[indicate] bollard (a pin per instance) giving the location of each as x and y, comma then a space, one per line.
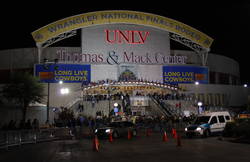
20, 139
110, 137
129, 134
148, 132
178, 140
174, 133
95, 144
7, 141
164, 138
35, 138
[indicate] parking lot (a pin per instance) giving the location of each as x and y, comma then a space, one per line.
141, 148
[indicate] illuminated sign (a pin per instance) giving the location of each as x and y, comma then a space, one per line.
68, 73
127, 36
117, 17
112, 57
185, 74
139, 101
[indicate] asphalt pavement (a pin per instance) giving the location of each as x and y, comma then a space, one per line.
143, 148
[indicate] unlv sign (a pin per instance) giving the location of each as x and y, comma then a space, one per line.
127, 36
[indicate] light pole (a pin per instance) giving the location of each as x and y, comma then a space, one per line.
47, 121
116, 110
109, 101
196, 97
46, 66
199, 107
109, 97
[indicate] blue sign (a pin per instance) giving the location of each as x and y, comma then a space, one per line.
116, 110
185, 74
68, 73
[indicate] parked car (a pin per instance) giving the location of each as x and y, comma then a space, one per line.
117, 129
208, 123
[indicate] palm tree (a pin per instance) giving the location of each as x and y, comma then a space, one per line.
23, 89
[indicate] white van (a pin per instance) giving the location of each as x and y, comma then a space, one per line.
208, 123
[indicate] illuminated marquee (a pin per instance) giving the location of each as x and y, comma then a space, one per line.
68, 73
125, 57
185, 74
66, 25
128, 36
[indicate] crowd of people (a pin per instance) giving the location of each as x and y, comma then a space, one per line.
120, 96
112, 81
101, 97
161, 122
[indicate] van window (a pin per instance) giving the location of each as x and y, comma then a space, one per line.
227, 117
213, 120
221, 119
202, 119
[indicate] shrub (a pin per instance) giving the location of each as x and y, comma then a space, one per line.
239, 128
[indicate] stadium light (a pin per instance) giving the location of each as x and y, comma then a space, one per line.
64, 91
199, 107
199, 103
115, 104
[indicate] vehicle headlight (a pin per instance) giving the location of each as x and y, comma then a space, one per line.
186, 129
198, 129
107, 131
96, 130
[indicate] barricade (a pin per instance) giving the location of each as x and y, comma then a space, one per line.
20, 137
45, 135
2, 139
12, 138
27, 136
62, 133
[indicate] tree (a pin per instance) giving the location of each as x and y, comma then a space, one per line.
23, 89
66, 114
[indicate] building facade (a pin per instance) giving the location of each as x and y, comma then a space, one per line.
125, 46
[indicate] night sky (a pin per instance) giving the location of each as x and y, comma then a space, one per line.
227, 23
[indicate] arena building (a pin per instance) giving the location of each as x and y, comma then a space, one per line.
127, 52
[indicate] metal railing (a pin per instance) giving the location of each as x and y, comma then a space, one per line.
20, 137
166, 108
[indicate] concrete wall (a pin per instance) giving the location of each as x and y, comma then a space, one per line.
215, 62
94, 40
26, 57
233, 95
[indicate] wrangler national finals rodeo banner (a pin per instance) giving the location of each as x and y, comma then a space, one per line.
68, 73
185, 74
